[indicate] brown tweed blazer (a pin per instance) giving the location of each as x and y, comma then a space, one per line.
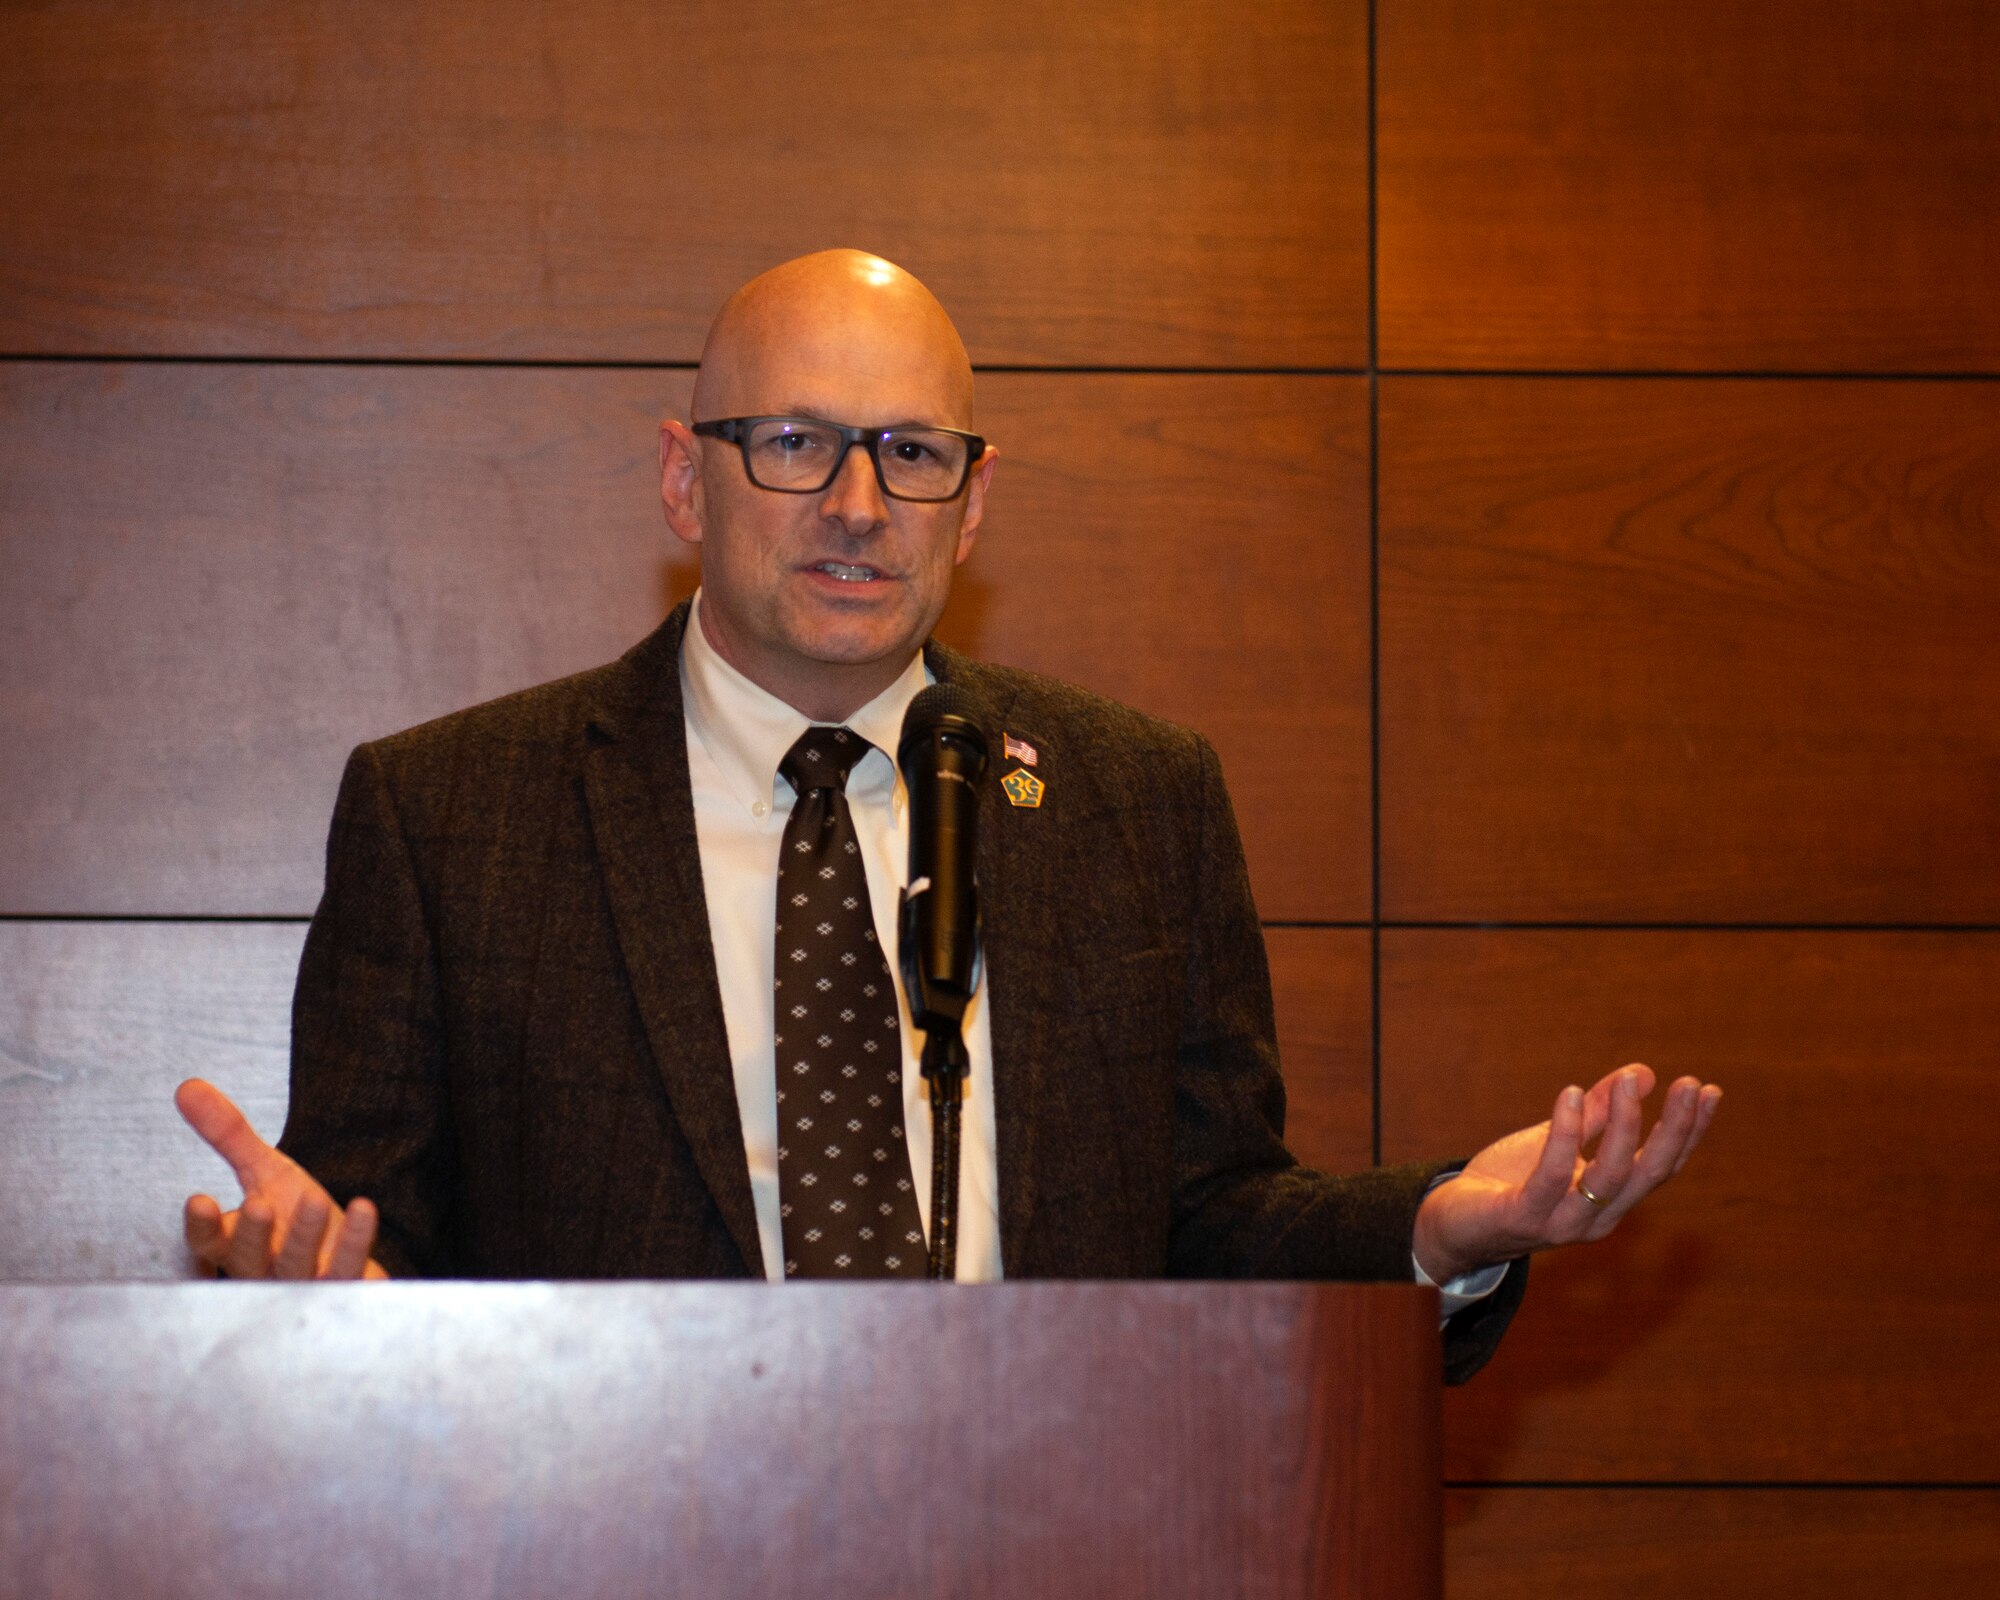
508, 1031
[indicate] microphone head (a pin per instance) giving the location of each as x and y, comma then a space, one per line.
943, 708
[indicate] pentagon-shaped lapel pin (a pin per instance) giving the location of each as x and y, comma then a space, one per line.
1022, 787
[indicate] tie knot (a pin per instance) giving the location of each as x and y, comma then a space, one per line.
822, 759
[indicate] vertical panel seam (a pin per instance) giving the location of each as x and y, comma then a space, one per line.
1374, 637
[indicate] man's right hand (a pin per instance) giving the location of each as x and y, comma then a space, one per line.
287, 1226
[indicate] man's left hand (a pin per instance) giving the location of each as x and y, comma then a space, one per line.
1535, 1188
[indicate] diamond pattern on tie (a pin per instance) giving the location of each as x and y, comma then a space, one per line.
826, 934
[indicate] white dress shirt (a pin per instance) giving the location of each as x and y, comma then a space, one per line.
737, 733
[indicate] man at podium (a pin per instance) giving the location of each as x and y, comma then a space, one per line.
603, 981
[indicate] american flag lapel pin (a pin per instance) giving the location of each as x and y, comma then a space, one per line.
1021, 787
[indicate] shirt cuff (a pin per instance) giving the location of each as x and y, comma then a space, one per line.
1468, 1288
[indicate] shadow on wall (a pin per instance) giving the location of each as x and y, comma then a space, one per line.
1588, 1313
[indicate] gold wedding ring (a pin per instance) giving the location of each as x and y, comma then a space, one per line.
1583, 1189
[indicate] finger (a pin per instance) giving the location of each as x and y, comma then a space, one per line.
1660, 1154
1549, 1182
214, 1116
250, 1247
348, 1258
298, 1256
1611, 1167
1597, 1104
1704, 1113
1599, 1109
207, 1230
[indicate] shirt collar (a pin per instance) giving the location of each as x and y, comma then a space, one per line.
746, 729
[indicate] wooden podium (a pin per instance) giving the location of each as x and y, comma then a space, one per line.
580, 1440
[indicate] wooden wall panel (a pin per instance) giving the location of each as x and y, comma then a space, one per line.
98, 1022
1806, 1301
1689, 184
1662, 1544
1208, 562
1686, 650
1321, 983
1106, 184
222, 577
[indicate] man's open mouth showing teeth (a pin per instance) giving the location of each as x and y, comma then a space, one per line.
846, 573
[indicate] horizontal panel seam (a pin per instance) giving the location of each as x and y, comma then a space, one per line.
1337, 925
1734, 1485
194, 917
1692, 374
563, 364
1356, 925
1691, 927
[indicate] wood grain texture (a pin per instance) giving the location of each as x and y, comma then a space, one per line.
1805, 1300
1110, 184
1689, 184
98, 1022
222, 578
1321, 984
845, 1441
1687, 650
1207, 562
1661, 1544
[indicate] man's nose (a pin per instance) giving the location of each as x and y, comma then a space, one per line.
854, 499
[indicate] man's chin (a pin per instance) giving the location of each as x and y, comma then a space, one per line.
858, 641
848, 649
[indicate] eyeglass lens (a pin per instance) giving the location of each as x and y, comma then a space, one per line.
919, 463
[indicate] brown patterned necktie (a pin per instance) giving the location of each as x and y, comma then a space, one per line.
846, 1201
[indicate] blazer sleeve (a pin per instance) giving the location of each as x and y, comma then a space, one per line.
369, 1113
1243, 1207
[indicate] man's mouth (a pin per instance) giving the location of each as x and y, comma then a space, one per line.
846, 573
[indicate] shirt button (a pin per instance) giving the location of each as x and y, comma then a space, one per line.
760, 808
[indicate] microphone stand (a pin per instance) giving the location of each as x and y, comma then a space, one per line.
945, 1065
940, 1011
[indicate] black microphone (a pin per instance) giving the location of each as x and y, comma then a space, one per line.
942, 752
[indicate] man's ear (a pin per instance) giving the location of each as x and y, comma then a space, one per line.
975, 503
680, 480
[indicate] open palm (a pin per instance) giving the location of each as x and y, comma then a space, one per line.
1568, 1179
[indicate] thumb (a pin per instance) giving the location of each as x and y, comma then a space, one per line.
214, 1116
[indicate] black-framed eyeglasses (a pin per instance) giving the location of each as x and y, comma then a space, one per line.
802, 455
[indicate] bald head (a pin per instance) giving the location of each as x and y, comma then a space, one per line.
822, 596
839, 334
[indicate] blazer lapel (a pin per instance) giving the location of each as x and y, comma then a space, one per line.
642, 819
1020, 856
